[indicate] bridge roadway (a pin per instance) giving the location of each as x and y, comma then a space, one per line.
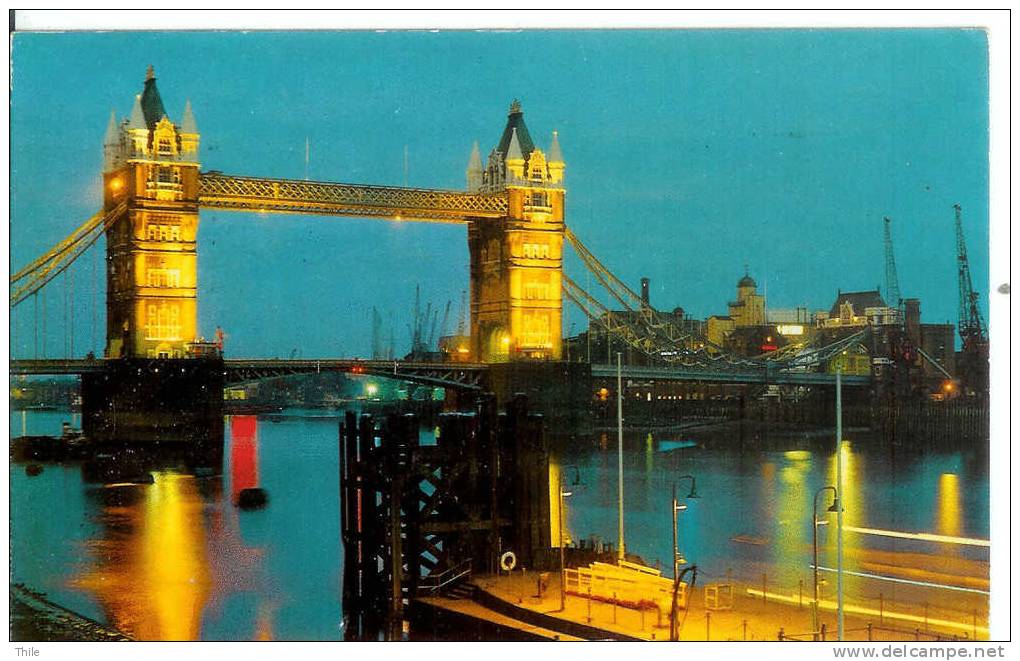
465, 376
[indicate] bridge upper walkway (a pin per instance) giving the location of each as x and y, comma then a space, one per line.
260, 194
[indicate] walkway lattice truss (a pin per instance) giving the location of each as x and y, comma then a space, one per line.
219, 191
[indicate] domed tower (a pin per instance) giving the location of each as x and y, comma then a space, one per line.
151, 166
517, 261
749, 308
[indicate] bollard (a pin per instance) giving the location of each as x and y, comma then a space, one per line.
780, 633
745, 629
800, 593
589, 604
869, 631
708, 625
881, 608
614, 608
823, 632
917, 634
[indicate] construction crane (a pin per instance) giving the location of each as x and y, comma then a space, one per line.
973, 332
892, 283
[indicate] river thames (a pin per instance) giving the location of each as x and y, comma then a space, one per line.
176, 559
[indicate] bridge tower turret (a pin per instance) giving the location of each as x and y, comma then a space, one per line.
151, 165
517, 261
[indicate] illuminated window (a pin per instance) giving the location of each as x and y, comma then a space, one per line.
163, 322
165, 148
536, 290
163, 277
536, 251
536, 331
538, 199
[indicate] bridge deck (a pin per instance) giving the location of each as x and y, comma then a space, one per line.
460, 375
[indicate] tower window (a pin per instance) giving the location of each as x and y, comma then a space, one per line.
163, 322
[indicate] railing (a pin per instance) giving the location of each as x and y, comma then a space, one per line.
629, 586
872, 632
434, 584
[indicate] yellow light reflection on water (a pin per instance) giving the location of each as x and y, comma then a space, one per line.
949, 505
151, 574
791, 493
851, 495
556, 481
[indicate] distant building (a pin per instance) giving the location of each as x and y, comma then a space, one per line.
857, 309
747, 330
936, 340
747, 311
601, 346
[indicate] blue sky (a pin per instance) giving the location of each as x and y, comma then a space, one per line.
689, 154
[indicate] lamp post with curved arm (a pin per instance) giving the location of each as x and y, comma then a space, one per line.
563, 576
677, 508
815, 522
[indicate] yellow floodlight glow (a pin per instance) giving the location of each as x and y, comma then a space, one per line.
371, 389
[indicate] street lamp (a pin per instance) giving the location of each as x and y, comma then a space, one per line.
563, 578
677, 508
815, 522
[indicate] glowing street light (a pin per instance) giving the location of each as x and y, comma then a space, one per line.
815, 522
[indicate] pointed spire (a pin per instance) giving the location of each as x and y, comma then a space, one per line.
475, 162
555, 153
474, 169
137, 120
112, 136
188, 124
514, 150
150, 73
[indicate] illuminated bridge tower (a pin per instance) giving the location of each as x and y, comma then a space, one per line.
517, 261
151, 166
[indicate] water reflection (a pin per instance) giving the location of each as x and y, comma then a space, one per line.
176, 559
151, 571
244, 454
948, 505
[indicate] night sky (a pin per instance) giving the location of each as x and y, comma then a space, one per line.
689, 154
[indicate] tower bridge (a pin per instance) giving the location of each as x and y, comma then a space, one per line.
514, 209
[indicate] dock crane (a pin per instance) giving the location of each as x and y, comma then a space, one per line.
892, 283
972, 329
973, 332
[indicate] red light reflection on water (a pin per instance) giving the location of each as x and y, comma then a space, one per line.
244, 454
